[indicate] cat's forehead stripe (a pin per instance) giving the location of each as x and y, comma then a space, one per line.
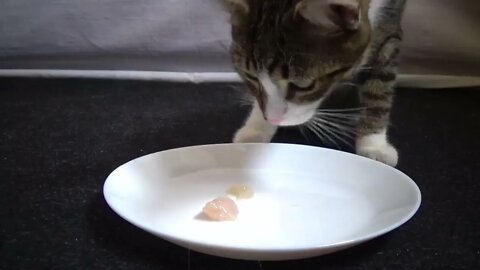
273, 65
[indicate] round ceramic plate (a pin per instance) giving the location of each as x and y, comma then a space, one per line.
308, 201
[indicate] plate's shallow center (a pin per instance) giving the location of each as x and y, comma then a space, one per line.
279, 215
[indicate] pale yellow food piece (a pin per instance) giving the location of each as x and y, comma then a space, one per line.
240, 191
221, 209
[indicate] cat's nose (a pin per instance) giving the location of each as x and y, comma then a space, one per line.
275, 121
275, 115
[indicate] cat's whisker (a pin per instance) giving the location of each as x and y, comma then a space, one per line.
304, 134
346, 136
343, 121
308, 125
357, 109
342, 136
346, 133
319, 133
340, 113
329, 130
346, 139
246, 102
302, 131
335, 132
339, 116
351, 129
318, 129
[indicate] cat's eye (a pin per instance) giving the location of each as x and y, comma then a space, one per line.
302, 87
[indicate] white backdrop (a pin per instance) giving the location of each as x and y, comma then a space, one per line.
442, 37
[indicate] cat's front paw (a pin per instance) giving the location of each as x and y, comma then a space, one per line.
385, 153
249, 135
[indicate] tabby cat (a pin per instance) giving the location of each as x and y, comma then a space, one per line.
292, 54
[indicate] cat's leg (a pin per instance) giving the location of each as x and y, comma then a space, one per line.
256, 128
375, 81
376, 84
376, 96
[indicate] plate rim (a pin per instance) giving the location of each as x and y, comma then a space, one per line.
272, 250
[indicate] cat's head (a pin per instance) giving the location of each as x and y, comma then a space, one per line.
291, 53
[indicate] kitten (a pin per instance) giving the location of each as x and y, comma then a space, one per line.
292, 54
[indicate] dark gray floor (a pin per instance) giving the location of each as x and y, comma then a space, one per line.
59, 139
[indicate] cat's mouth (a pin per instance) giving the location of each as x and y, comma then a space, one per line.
294, 115
293, 118
299, 120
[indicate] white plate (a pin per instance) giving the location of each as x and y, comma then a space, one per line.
308, 201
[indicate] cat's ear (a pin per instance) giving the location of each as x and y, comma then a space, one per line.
236, 5
333, 15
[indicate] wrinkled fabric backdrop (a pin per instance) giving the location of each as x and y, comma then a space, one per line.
442, 37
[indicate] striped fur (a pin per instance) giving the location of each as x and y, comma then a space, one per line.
376, 75
305, 61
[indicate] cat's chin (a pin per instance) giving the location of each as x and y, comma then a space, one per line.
299, 114
296, 120
290, 124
